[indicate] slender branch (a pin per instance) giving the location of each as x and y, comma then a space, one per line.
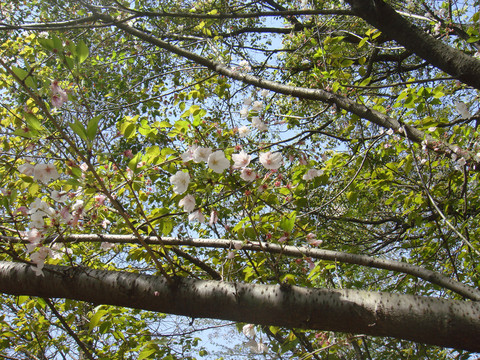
342, 102
69, 330
293, 251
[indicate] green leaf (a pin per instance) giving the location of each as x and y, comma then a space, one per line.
95, 319
79, 129
82, 51
288, 222
33, 123
25, 76
92, 127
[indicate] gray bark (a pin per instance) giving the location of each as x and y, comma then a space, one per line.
448, 323
454, 62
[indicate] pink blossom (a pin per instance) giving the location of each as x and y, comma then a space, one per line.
45, 172
311, 174
59, 96
271, 160
241, 160
100, 199
248, 174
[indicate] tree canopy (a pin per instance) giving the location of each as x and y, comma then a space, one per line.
306, 169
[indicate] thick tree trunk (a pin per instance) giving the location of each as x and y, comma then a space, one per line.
446, 323
454, 62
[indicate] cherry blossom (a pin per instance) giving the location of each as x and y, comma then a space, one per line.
84, 167
462, 109
180, 181
244, 112
45, 172
107, 245
59, 96
312, 239
245, 66
249, 331
105, 223
271, 161
311, 174
213, 218
247, 101
58, 196
257, 106
259, 124
243, 131
26, 169
188, 155
38, 258
100, 199
201, 154
218, 162
241, 160
197, 216
188, 203
265, 93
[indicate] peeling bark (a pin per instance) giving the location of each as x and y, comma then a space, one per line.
447, 323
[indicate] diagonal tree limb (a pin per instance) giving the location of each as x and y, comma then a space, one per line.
448, 59
340, 101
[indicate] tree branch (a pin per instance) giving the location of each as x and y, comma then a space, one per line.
440, 322
293, 251
452, 61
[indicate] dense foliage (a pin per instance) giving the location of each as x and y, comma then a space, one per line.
306, 124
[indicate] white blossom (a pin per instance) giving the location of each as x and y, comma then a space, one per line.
188, 155
201, 154
245, 65
58, 196
241, 159
249, 331
188, 203
259, 124
271, 160
197, 216
45, 172
257, 106
180, 181
26, 169
265, 93
243, 131
311, 174
218, 162
462, 109
247, 101
244, 112
248, 174
107, 245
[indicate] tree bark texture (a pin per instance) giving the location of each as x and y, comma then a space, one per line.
447, 323
452, 61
